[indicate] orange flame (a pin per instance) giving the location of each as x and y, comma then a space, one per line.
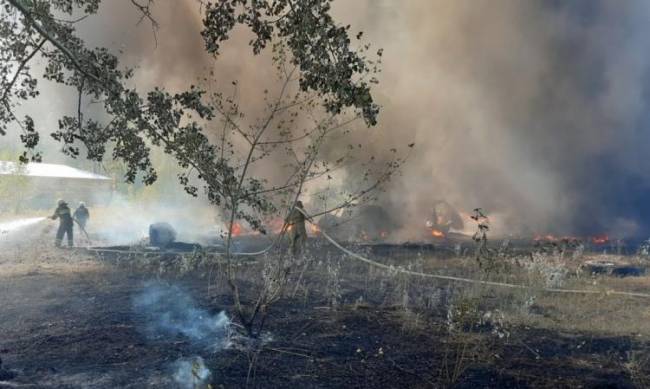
600, 239
314, 229
236, 229
437, 233
547, 237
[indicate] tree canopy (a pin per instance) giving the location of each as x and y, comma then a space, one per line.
320, 48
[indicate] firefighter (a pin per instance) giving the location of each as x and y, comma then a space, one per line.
297, 230
64, 215
81, 215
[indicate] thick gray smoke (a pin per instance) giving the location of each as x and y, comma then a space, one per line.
535, 111
170, 312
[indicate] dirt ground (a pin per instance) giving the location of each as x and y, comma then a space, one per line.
67, 320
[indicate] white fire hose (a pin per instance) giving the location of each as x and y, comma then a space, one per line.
466, 280
257, 252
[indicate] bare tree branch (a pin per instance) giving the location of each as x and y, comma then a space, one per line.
359, 195
75, 62
146, 14
308, 133
73, 21
79, 115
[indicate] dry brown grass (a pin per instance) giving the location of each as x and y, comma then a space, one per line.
601, 313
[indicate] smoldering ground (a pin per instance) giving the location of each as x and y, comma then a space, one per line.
191, 373
171, 312
535, 111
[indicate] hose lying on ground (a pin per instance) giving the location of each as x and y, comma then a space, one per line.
468, 280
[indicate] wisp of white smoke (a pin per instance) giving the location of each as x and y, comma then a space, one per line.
191, 373
171, 312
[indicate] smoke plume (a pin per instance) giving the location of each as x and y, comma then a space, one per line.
534, 111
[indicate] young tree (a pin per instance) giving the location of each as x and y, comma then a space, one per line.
293, 129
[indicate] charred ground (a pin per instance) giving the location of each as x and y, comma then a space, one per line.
67, 320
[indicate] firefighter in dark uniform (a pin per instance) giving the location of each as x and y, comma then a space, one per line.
64, 215
297, 230
81, 215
